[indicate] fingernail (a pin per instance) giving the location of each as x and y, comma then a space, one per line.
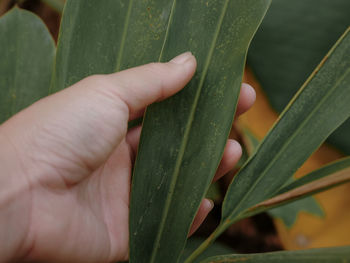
181, 59
210, 204
250, 90
237, 147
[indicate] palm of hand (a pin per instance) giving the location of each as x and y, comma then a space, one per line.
90, 218
80, 195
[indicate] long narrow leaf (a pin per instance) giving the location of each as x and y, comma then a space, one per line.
319, 255
334, 169
317, 110
320, 106
322, 179
288, 213
26, 58
99, 37
183, 138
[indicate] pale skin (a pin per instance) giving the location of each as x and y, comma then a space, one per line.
66, 165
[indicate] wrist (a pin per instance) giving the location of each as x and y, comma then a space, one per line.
14, 203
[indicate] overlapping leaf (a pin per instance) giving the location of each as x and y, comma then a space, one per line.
317, 110
288, 213
107, 36
183, 138
99, 37
292, 40
215, 249
327, 177
26, 58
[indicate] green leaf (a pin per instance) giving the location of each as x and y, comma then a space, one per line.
292, 40
183, 138
214, 192
215, 249
27, 53
319, 107
327, 177
317, 110
334, 168
99, 37
287, 213
319, 255
251, 142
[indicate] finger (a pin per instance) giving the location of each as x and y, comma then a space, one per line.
232, 154
141, 86
204, 209
246, 100
133, 138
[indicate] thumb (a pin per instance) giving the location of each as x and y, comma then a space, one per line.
141, 86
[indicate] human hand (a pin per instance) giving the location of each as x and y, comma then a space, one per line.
67, 159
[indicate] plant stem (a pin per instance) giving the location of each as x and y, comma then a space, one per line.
218, 231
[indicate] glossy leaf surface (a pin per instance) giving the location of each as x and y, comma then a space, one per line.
26, 58
314, 113
292, 40
320, 255
183, 137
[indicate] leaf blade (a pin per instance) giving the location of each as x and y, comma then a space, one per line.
25, 69
95, 35
319, 180
324, 171
151, 199
283, 54
312, 109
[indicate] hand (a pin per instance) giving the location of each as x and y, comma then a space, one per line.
66, 164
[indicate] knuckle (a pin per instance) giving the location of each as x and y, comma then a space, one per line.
160, 73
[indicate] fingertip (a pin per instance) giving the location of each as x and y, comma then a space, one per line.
185, 62
140, 86
250, 91
205, 207
232, 154
234, 149
209, 204
182, 58
247, 98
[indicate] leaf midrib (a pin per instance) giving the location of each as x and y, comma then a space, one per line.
167, 30
188, 127
289, 141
